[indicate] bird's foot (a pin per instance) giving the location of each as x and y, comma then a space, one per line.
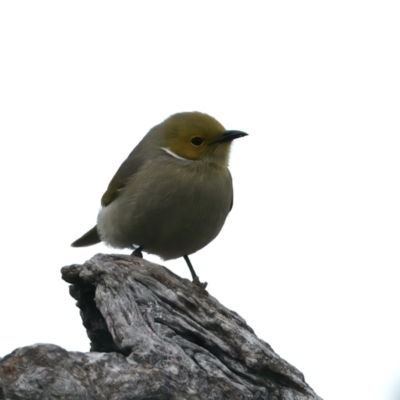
138, 252
201, 286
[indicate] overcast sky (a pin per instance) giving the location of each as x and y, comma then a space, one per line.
309, 255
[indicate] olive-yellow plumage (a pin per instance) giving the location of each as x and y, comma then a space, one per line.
172, 194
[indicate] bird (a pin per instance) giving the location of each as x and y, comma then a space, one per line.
172, 194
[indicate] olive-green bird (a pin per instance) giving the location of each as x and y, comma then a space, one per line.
172, 194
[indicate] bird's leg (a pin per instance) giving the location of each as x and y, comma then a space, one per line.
195, 278
138, 252
189, 264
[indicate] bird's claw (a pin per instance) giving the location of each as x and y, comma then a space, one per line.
200, 285
138, 253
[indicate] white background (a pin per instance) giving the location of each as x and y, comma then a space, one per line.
310, 253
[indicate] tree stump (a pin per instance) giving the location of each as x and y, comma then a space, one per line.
154, 336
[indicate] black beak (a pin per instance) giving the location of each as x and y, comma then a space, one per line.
228, 136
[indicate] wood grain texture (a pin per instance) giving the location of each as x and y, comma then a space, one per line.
154, 336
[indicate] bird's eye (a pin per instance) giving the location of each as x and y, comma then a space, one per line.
197, 141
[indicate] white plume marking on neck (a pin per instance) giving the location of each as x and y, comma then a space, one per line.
171, 153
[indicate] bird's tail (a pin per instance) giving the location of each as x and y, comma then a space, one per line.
89, 238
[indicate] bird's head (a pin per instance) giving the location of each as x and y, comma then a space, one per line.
198, 136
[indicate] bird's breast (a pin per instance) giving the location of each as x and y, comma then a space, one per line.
170, 210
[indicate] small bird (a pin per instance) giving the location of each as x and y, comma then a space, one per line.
172, 194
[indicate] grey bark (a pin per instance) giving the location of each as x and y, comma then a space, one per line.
154, 336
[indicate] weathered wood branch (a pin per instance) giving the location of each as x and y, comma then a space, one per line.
153, 337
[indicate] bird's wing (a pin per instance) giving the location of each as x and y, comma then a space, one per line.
138, 156
128, 168
230, 176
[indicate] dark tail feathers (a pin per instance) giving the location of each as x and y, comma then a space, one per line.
89, 238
